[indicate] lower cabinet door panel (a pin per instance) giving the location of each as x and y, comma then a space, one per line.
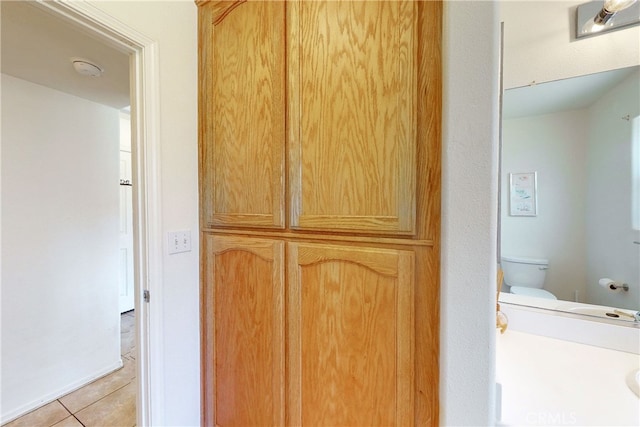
243, 296
350, 335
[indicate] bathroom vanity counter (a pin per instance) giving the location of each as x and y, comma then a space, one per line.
546, 319
547, 381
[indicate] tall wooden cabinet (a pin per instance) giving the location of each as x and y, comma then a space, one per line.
320, 212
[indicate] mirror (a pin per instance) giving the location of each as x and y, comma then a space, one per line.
578, 136
582, 224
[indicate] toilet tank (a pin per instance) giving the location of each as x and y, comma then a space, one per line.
524, 272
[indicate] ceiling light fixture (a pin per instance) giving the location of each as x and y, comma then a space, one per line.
598, 17
86, 68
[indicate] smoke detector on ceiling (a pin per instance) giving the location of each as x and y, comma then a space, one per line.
86, 67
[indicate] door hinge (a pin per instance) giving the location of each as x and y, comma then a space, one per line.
146, 295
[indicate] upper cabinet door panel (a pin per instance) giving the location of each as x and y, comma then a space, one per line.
243, 117
352, 123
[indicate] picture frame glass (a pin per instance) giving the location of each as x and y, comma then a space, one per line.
523, 200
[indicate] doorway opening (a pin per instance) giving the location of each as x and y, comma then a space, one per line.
145, 151
145, 154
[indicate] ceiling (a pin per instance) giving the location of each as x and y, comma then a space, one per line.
37, 46
561, 95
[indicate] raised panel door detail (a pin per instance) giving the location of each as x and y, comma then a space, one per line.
352, 100
243, 134
244, 330
351, 334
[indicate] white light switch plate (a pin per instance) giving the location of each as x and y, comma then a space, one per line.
179, 241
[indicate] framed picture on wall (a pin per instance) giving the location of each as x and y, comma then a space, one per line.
523, 198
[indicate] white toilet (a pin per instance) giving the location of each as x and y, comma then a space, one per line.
526, 276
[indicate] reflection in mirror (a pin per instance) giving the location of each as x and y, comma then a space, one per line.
578, 136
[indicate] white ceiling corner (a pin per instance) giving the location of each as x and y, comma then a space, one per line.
38, 46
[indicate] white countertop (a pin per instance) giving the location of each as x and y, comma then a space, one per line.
547, 381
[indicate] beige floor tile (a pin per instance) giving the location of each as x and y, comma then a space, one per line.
100, 388
127, 333
45, 416
68, 422
115, 410
95, 399
131, 355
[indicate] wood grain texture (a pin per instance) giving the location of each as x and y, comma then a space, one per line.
351, 179
315, 236
247, 371
352, 112
205, 124
350, 333
429, 109
220, 9
207, 391
427, 338
245, 142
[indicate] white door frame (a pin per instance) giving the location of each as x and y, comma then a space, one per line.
145, 150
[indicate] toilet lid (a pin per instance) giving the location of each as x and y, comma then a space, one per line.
532, 292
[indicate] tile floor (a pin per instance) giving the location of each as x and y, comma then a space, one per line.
107, 402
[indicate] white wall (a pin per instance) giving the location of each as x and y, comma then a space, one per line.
173, 25
60, 319
469, 211
540, 45
554, 145
611, 252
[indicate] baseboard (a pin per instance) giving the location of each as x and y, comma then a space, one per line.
56, 394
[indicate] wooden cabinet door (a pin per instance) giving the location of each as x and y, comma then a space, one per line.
242, 117
243, 331
352, 91
350, 336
